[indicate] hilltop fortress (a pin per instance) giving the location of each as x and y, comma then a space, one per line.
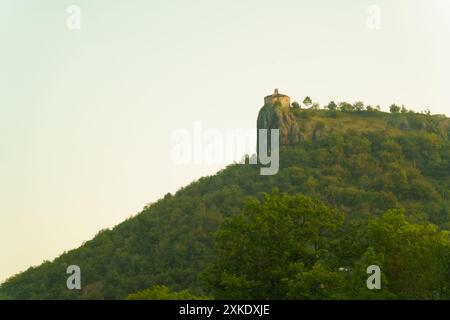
277, 99
277, 114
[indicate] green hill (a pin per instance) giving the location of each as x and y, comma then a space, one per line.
360, 163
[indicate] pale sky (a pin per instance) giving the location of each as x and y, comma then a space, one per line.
86, 116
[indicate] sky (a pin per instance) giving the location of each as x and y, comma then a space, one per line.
87, 115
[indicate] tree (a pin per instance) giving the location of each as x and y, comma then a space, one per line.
307, 102
358, 106
394, 108
346, 107
257, 249
332, 106
356, 280
318, 282
296, 105
415, 256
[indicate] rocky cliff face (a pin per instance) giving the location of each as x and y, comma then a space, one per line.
298, 125
282, 118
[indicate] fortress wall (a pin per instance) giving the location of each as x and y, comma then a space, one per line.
283, 100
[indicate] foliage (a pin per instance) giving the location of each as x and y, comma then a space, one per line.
256, 250
283, 249
394, 108
163, 293
295, 105
332, 106
307, 101
361, 164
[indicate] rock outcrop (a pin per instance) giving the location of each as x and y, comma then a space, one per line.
277, 114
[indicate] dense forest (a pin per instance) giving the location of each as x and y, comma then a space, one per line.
361, 187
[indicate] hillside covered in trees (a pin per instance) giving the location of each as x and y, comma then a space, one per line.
356, 187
